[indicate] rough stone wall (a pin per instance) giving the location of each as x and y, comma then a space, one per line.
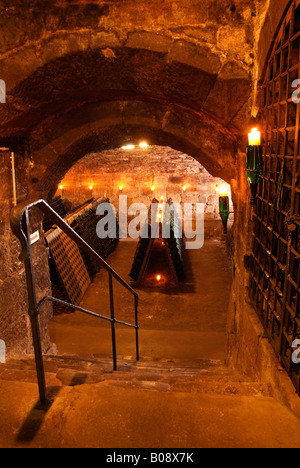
14, 320
180, 70
137, 172
248, 349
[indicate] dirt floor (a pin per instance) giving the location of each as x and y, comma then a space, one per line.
189, 323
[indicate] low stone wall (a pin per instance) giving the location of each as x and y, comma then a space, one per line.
138, 171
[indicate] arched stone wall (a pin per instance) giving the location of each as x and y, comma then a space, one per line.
84, 76
97, 127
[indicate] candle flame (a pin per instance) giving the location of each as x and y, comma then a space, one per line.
158, 277
254, 137
223, 191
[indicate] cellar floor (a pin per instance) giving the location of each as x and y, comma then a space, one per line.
187, 324
179, 395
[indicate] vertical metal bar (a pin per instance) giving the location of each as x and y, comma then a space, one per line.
286, 313
34, 313
12, 157
113, 322
136, 302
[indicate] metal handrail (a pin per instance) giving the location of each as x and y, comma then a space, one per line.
20, 224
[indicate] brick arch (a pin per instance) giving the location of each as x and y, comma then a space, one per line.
74, 85
85, 76
99, 126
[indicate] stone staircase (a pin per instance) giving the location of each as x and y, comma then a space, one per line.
203, 376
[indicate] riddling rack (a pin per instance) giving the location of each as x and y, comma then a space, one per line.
71, 269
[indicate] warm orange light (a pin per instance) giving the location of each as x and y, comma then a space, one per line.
162, 198
91, 187
128, 147
158, 278
61, 187
184, 188
223, 191
160, 216
121, 188
254, 137
144, 145
152, 189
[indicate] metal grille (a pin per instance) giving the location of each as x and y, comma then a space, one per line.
275, 276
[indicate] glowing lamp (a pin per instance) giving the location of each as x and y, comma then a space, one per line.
223, 191
254, 137
158, 278
91, 187
128, 147
144, 145
254, 163
61, 187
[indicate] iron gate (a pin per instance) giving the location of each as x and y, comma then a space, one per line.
275, 275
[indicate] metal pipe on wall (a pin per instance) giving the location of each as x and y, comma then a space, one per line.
12, 157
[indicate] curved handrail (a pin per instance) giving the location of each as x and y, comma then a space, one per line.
20, 224
16, 221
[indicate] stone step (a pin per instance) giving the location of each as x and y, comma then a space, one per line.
161, 375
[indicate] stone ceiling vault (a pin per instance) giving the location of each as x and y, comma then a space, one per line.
178, 72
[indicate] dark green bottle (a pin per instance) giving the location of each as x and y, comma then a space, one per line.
254, 166
224, 211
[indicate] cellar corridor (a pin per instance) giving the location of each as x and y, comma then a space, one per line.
187, 325
120, 123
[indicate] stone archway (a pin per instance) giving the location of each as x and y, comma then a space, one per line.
86, 77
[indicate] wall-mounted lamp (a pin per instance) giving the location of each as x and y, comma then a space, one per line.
254, 162
61, 188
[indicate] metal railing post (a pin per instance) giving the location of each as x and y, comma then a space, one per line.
113, 320
34, 312
136, 306
20, 224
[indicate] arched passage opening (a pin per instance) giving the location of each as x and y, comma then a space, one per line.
186, 321
66, 108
